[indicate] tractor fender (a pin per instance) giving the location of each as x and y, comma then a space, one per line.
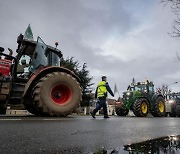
42, 72
143, 97
155, 96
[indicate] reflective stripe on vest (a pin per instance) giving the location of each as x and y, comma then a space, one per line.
102, 91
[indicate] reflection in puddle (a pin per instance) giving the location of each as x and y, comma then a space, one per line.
167, 145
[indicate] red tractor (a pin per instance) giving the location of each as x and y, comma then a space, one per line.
35, 79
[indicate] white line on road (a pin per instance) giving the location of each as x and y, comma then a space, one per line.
33, 119
9, 119
54, 119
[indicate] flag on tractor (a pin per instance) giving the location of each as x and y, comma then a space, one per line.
28, 33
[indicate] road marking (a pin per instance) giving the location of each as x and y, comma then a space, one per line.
39, 119
33, 119
9, 119
55, 119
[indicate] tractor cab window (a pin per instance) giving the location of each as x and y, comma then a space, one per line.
55, 60
151, 89
39, 58
142, 88
137, 88
171, 96
177, 97
145, 89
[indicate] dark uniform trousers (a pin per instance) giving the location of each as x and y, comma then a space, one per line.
102, 103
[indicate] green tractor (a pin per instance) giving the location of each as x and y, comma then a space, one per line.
141, 99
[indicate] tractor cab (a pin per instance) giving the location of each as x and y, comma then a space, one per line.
174, 96
34, 56
146, 87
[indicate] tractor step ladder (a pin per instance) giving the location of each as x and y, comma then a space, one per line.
16, 93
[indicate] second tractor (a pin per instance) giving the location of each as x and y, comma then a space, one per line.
141, 99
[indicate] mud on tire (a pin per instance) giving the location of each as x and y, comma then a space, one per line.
141, 107
56, 94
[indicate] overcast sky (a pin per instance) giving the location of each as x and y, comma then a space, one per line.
121, 39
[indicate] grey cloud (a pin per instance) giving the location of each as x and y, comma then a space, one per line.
82, 27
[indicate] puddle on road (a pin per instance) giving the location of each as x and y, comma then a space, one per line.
168, 144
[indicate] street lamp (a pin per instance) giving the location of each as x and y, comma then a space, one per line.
172, 84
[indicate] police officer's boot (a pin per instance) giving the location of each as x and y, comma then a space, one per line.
93, 114
106, 116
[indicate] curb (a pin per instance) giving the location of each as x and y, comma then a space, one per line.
17, 112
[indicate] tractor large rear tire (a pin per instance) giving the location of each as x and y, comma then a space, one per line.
158, 108
56, 94
30, 107
3, 108
141, 107
121, 112
178, 110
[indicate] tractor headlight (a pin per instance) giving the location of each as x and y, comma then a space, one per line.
128, 94
171, 101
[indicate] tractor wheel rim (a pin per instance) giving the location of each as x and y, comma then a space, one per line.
61, 94
144, 107
161, 106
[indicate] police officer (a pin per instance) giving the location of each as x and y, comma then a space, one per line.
101, 94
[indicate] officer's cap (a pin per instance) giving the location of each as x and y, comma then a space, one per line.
104, 77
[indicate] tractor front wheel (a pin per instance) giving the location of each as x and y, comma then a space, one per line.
158, 108
141, 107
56, 94
121, 111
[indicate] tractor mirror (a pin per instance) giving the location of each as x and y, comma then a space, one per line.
1, 49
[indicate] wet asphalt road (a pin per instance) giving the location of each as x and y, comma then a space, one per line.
78, 134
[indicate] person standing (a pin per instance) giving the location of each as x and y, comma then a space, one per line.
101, 93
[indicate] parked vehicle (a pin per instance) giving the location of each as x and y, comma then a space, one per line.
173, 104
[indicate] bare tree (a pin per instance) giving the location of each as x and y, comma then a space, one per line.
164, 90
175, 8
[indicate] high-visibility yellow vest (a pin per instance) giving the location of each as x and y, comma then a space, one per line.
102, 90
